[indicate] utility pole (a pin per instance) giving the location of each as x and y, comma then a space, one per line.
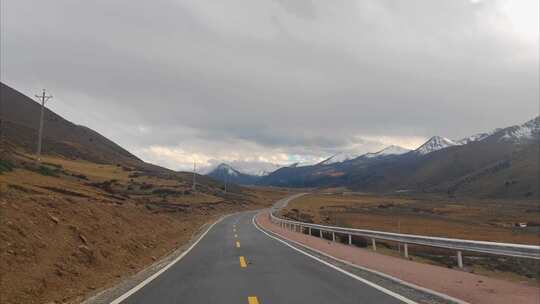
194, 187
43, 98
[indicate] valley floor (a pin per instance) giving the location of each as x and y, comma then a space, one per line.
486, 220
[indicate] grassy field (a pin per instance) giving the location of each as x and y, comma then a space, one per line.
487, 220
71, 227
476, 220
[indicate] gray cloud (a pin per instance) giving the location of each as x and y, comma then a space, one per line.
247, 78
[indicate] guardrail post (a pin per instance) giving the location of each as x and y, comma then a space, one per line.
333, 236
459, 259
309, 231
320, 233
406, 250
373, 244
350, 239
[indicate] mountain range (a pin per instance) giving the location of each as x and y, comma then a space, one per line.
500, 163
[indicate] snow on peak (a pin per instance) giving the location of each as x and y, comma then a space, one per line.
338, 158
526, 131
475, 137
390, 150
434, 144
227, 169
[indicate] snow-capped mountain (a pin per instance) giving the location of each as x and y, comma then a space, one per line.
338, 158
227, 174
343, 157
525, 132
475, 165
250, 167
434, 144
227, 169
475, 137
390, 150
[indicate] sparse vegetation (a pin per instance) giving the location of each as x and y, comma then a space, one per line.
6, 166
47, 171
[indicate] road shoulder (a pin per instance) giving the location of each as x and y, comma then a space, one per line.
132, 283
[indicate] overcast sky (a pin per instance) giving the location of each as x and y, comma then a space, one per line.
277, 81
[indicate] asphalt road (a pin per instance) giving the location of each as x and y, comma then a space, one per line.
237, 263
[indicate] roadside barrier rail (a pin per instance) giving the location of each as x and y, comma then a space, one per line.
459, 245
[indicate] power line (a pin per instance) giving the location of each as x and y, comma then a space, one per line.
43, 98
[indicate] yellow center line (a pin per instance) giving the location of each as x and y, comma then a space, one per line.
237, 244
253, 300
243, 263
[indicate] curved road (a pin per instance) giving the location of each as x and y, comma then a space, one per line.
237, 263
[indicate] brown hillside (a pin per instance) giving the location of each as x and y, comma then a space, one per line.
20, 122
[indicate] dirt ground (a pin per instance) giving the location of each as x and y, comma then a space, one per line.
72, 227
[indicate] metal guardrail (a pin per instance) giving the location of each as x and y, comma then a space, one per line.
503, 249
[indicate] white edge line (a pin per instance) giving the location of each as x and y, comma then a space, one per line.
162, 270
399, 281
371, 284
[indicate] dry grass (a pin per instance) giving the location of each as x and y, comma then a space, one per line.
90, 225
98, 172
474, 220
477, 220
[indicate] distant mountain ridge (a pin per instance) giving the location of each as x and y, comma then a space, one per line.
390, 150
343, 157
479, 165
227, 174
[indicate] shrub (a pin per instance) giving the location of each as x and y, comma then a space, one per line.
43, 170
58, 166
6, 166
80, 176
